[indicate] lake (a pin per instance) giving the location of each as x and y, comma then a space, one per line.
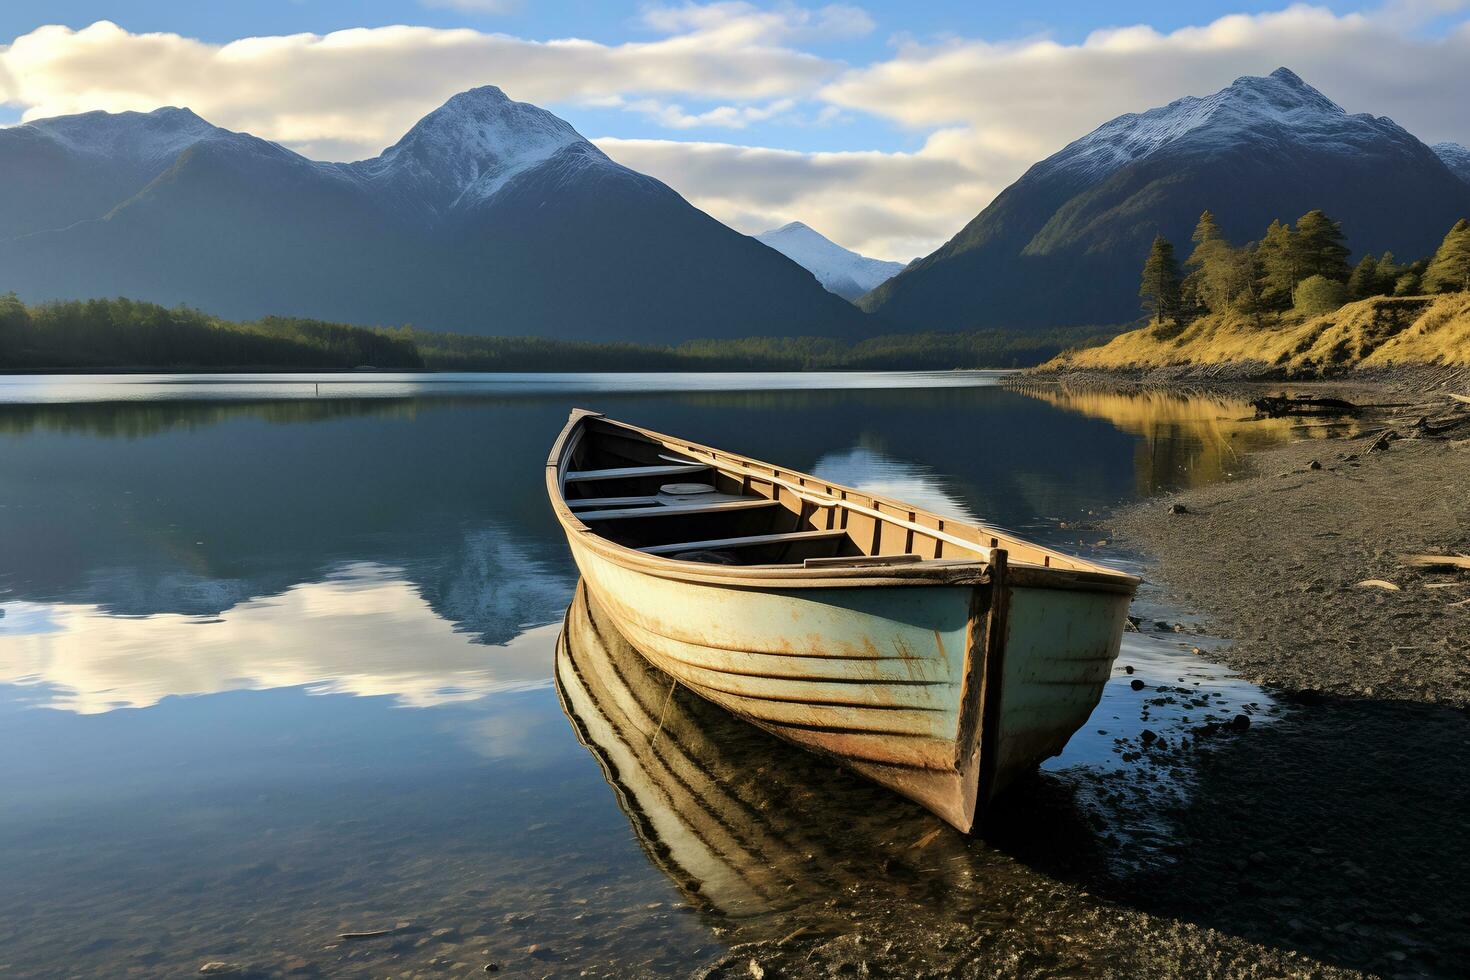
277, 655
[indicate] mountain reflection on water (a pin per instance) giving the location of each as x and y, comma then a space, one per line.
279, 667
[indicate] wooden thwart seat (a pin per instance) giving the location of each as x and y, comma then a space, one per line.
673, 510
662, 500
629, 472
748, 541
586, 502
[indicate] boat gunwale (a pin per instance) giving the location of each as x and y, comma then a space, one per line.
944, 571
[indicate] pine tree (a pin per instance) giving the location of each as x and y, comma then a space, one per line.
1319, 247
1160, 288
1212, 263
1276, 259
1449, 270
1388, 274
1247, 272
1364, 281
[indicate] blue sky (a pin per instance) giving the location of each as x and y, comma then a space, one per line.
213, 20
884, 124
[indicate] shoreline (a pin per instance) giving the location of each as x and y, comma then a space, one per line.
1328, 842
1243, 379
1337, 831
1293, 532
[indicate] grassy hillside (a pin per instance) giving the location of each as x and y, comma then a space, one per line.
1377, 332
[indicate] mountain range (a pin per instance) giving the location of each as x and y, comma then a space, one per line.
1064, 243
496, 217
839, 270
489, 216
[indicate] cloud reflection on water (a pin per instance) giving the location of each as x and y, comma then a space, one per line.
363, 630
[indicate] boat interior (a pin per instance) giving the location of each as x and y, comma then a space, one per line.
688, 502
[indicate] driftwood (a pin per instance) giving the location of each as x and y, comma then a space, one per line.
1461, 398
1378, 583
1437, 563
1382, 442
1277, 406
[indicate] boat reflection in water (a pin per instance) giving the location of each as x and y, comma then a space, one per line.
744, 824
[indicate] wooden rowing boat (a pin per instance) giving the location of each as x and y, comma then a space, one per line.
941, 659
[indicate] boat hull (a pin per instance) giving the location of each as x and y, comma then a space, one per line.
914, 651
943, 693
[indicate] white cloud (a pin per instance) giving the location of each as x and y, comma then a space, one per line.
345, 635
1003, 106
352, 92
1030, 98
983, 110
891, 205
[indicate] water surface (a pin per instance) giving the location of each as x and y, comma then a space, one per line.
276, 658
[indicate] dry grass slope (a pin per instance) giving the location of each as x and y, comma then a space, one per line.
1380, 332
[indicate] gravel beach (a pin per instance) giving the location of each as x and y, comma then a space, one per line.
1331, 841
1339, 831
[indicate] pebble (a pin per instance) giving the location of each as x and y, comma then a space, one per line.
1178, 509
1240, 723
1137, 684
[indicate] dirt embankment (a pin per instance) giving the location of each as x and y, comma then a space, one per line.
1369, 336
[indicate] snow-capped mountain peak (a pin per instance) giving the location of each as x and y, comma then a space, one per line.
1456, 157
839, 270
1248, 105
463, 152
141, 138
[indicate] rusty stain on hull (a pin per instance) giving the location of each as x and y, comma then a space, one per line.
831, 642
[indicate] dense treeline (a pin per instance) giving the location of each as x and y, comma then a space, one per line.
124, 333
926, 351
1300, 270
127, 334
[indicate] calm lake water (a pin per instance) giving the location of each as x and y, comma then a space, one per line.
276, 664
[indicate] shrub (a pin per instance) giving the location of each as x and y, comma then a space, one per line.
1316, 295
